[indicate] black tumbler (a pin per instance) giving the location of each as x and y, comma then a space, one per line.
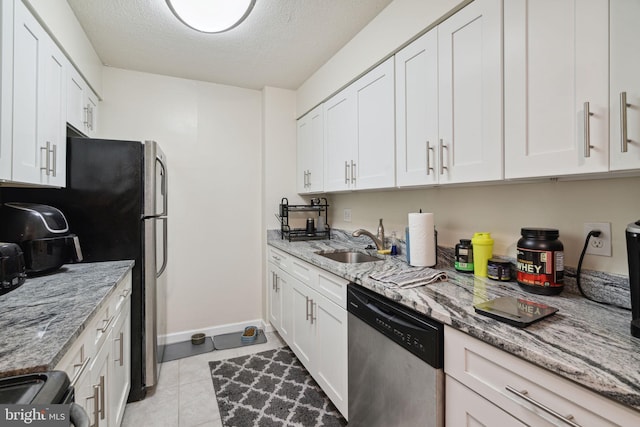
633, 253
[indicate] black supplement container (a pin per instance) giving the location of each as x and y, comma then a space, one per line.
540, 262
464, 256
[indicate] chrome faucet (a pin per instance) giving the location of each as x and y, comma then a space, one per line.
379, 240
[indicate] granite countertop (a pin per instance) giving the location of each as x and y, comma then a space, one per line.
585, 342
41, 319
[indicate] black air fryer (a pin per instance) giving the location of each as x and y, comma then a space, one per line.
633, 252
43, 234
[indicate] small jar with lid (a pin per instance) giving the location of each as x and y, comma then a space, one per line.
540, 261
464, 256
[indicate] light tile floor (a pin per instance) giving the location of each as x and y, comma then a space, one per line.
184, 396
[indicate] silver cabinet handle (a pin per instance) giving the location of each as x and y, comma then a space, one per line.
44, 158
307, 307
105, 324
587, 130
78, 374
624, 139
121, 340
353, 172
442, 148
346, 172
277, 282
429, 150
95, 397
86, 116
523, 395
101, 397
312, 317
54, 154
273, 280
309, 178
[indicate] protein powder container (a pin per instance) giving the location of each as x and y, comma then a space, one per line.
540, 263
464, 256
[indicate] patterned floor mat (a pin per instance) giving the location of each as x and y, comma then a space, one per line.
270, 389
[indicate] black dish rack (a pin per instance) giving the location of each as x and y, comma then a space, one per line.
318, 206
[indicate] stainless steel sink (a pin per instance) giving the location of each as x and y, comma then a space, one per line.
348, 256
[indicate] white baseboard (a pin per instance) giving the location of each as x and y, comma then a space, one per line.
216, 330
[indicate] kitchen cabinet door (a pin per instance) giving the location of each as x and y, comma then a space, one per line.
121, 365
280, 301
375, 96
39, 134
470, 94
82, 104
275, 300
303, 330
417, 112
556, 56
331, 358
340, 132
6, 88
625, 84
100, 381
310, 154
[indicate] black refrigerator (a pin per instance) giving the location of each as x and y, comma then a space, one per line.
115, 201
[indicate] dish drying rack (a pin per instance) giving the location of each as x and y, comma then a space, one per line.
318, 206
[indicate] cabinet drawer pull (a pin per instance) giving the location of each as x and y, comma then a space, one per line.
105, 324
309, 178
624, 139
587, 130
276, 282
523, 395
83, 367
307, 308
53, 153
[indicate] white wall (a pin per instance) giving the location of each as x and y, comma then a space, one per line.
212, 137
398, 23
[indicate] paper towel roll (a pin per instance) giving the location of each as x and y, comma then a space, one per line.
423, 239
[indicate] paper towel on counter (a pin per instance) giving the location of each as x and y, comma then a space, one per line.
423, 239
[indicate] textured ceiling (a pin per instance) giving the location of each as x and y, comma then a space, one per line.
280, 44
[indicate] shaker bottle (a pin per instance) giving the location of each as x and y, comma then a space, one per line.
482, 252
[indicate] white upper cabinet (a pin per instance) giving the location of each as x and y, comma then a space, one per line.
449, 101
39, 136
82, 104
6, 89
310, 154
359, 133
625, 84
417, 112
556, 87
376, 128
470, 94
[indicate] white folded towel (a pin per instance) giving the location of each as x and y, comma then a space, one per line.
410, 279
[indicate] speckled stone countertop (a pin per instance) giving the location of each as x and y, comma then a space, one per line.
40, 320
585, 342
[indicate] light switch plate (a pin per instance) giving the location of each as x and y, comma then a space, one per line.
347, 215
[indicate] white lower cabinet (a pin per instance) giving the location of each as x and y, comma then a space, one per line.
307, 306
486, 385
99, 362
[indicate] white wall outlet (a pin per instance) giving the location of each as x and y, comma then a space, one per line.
347, 215
598, 245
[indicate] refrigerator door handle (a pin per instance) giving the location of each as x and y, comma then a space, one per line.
164, 246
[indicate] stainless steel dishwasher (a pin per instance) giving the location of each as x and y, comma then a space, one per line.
396, 375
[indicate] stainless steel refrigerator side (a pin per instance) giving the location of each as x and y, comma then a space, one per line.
155, 210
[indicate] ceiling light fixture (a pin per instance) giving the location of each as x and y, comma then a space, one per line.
211, 16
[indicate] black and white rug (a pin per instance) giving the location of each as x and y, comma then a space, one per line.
270, 389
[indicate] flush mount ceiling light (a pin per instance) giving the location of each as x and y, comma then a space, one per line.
211, 16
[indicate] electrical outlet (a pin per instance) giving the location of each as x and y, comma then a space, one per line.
600, 245
347, 215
